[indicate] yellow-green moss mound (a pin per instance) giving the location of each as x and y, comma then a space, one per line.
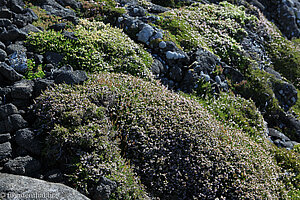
175, 146
95, 47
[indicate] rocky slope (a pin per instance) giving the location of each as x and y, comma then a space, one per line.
174, 99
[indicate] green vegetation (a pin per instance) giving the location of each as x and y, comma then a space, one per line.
34, 71
236, 111
289, 161
259, 88
218, 28
101, 10
96, 47
175, 146
83, 140
45, 20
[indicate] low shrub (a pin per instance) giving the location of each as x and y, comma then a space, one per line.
179, 150
80, 138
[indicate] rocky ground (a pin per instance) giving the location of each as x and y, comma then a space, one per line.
232, 60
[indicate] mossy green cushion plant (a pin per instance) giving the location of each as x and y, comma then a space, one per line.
97, 47
218, 28
237, 112
80, 137
177, 148
101, 10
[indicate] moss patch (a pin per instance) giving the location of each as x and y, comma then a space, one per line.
218, 28
96, 47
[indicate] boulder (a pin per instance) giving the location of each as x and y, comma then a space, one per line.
12, 123
2, 55
7, 110
53, 58
22, 89
14, 187
12, 33
104, 189
5, 150
6, 13
286, 94
5, 22
23, 166
18, 60
71, 77
2, 45
30, 28
41, 85
9, 73
14, 48
26, 139
54, 8
4, 138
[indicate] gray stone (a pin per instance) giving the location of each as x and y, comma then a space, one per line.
54, 176
7, 110
30, 28
145, 34
58, 27
10, 49
26, 138
3, 55
14, 122
176, 73
41, 85
9, 73
2, 46
104, 189
11, 34
23, 166
18, 61
5, 22
5, 13
25, 186
54, 8
277, 135
5, 150
22, 20
22, 89
71, 77
4, 137
53, 58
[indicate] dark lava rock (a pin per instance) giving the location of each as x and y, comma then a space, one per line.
2, 55
9, 73
2, 45
277, 135
23, 186
5, 150
26, 138
71, 77
104, 189
30, 28
54, 176
12, 123
22, 166
5, 22
58, 27
22, 89
41, 85
7, 110
12, 48
53, 58
4, 137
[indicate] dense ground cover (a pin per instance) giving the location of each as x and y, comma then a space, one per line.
174, 145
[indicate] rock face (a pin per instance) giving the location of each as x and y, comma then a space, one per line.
21, 187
